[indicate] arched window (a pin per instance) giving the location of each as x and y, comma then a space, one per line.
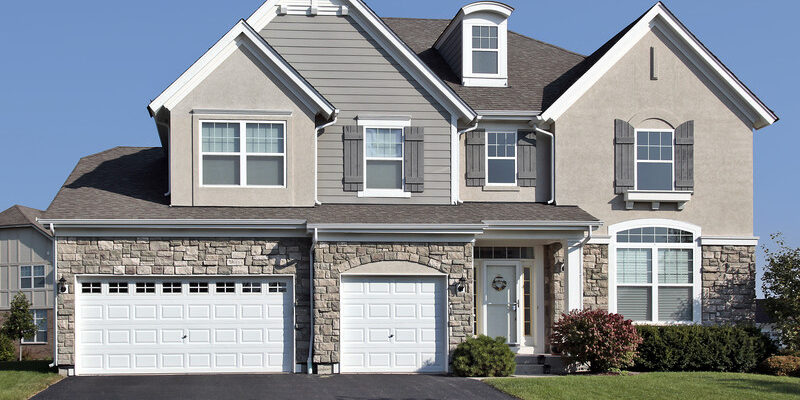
654, 273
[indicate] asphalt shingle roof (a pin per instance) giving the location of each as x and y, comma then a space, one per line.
130, 182
538, 72
18, 215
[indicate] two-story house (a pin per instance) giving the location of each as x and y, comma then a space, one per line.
341, 192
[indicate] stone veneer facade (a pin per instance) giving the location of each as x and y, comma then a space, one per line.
554, 289
182, 257
331, 259
595, 277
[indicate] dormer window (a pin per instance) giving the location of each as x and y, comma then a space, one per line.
484, 49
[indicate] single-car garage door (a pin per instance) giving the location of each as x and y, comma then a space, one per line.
127, 325
393, 324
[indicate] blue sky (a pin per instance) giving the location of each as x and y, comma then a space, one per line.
77, 75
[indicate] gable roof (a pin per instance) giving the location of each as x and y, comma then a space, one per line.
128, 183
660, 17
390, 42
21, 216
536, 69
220, 51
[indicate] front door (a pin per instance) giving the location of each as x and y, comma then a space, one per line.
501, 301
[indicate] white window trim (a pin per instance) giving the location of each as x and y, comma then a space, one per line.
486, 159
401, 124
33, 276
242, 153
38, 326
469, 78
637, 161
697, 312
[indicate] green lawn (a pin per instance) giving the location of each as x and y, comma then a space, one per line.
19, 381
655, 385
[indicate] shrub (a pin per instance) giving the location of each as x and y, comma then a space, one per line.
604, 341
483, 356
7, 352
701, 348
781, 366
782, 291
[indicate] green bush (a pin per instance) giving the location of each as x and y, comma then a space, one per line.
781, 366
483, 356
7, 351
701, 348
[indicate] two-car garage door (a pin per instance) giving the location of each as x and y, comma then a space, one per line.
127, 325
393, 324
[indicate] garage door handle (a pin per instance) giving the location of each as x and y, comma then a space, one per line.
184, 337
391, 336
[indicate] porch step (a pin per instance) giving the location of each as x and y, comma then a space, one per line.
539, 364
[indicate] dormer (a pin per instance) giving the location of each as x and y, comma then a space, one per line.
475, 44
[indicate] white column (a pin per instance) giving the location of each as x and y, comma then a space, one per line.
574, 274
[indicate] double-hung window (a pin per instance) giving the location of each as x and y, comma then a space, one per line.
655, 274
484, 50
383, 156
31, 276
40, 320
501, 158
243, 153
654, 160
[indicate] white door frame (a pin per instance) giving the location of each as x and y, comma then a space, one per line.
519, 339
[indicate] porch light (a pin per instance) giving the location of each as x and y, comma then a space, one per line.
62, 285
461, 286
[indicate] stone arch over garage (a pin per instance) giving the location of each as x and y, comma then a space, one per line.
332, 259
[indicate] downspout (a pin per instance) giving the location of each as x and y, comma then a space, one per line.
472, 127
310, 361
55, 297
552, 164
317, 130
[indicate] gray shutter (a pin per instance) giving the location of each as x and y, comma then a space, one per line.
624, 153
476, 154
353, 137
526, 158
684, 156
414, 158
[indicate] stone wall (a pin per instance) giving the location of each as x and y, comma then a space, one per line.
554, 289
156, 256
595, 277
332, 259
37, 351
729, 284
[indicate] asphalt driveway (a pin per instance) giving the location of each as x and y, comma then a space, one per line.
288, 386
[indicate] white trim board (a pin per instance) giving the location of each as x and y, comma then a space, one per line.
659, 17
218, 53
729, 241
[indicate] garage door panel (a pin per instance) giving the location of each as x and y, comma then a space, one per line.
403, 329
186, 332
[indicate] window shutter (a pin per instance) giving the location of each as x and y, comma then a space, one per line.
353, 137
684, 156
414, 158
624, 161
476, 155
526, 158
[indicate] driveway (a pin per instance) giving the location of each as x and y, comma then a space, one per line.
289, 386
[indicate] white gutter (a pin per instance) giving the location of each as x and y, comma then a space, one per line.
310, 361
181, 223
552, 163
55, 298
316, 146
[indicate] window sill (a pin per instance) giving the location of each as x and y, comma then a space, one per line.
655, 198
501, 188
393, 193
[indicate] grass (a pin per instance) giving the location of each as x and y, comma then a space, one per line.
21, 380
655, 385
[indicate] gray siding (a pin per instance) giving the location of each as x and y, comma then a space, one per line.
25, 246
339, 59
451, 49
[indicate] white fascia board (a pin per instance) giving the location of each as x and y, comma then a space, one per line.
541, 225
467, 229
178, 223
653, 18
729, 240
218, 53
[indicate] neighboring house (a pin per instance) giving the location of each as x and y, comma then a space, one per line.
347, 193
26, 265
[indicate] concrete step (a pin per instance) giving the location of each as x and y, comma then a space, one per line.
539, 364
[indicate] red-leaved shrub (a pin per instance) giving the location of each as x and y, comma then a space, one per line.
602, 340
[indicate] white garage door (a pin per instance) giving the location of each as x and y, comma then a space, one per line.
393, 324
129, 325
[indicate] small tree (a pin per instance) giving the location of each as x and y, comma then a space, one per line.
782, 290
604, 341
19, 323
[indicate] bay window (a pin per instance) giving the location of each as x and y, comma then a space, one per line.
243, 153
654, 276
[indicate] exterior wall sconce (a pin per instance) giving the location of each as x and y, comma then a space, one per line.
62, 285
461, 286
